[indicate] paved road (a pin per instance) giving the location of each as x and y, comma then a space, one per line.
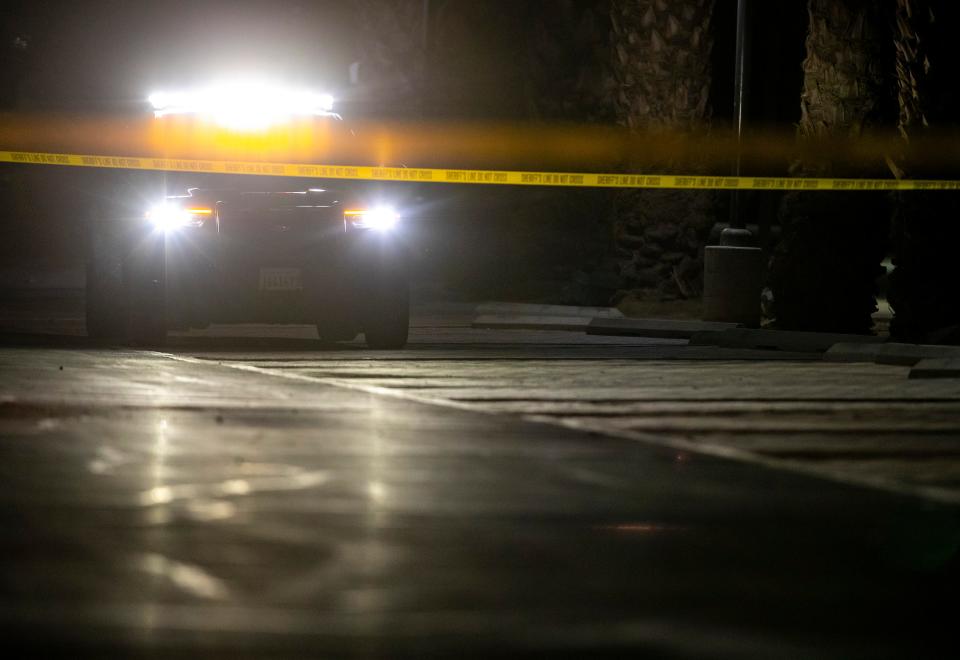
487, 493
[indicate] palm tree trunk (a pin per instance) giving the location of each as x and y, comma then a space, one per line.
824, 270
925, 232
662, 67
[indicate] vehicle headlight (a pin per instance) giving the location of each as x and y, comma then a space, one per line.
170, 217
379, 218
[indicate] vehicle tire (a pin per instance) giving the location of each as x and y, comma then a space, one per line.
145, 277
387, 318
330, 335
105, 299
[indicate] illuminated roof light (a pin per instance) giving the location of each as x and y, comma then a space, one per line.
243, 105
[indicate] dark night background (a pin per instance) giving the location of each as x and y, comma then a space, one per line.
117, 51
449, 60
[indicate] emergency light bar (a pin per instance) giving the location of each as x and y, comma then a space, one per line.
246, 105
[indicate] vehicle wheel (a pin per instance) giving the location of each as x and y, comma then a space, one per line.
105, 309
145, 278
388, 313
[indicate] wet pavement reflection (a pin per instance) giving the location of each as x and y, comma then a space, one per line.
167, 508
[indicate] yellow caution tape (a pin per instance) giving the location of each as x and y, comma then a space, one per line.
486, 177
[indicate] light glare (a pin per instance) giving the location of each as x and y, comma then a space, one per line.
243, 105
380, 218
170, 217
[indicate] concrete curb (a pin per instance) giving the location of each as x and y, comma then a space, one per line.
517, 322
850, 352
779, 340
525, 309
889, 353
656, 328
936, 368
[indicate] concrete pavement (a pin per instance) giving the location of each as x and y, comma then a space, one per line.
487, 493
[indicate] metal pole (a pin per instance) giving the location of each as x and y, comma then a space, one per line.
739, 77
737, 233
732, 270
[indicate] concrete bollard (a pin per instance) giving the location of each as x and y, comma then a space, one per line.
731, 284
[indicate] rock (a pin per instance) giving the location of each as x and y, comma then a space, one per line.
650, 251
629, 240
648, 276
645, 262
662, 232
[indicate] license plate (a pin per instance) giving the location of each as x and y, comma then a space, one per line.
280, 279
